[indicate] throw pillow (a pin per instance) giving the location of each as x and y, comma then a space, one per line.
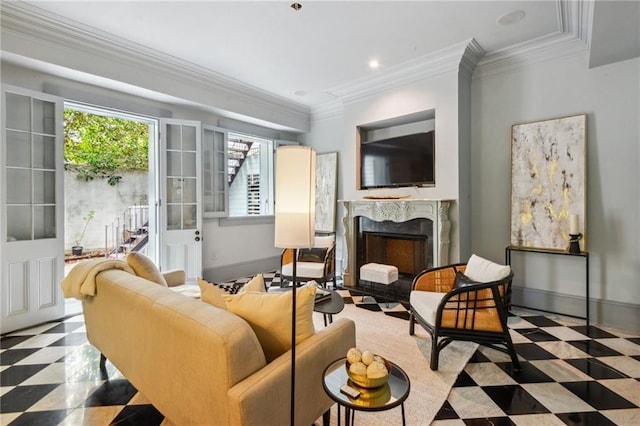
312, 255
269, 315
484, 271
144, 268
463, 281
212, 294
255, 284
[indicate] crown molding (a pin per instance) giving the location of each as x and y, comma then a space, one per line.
327, 110
38, 26
421, 68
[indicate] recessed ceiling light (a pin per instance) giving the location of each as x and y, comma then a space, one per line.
296, 6
373, 64
511, 17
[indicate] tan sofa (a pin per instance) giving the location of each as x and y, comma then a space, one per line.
200, 365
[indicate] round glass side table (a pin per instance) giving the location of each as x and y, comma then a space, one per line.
385, 397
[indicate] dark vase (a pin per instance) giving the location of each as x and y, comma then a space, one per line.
76, 250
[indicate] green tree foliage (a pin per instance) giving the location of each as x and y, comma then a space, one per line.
99, 147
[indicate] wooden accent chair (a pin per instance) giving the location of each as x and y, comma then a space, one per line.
315, 263
464, 302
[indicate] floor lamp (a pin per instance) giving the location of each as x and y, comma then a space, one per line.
295, 220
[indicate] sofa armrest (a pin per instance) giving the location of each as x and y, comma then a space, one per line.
175, 277
264, 397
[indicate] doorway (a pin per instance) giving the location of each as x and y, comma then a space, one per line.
110, 186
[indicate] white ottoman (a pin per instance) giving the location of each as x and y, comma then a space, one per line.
379, 273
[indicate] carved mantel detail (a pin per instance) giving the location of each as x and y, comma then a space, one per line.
397, 211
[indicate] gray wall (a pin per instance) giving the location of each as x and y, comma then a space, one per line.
609, 95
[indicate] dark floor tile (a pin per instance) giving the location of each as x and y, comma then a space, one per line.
464, 380
11, 356
489, 421
71, 339
513, 399
586, 418
541, 321
598, 396
537, 335
112, 392
17, 374
11, 341
21, 398
635, 340
594, 348
636, 357
478, 357
138, 415
348, 300
398, 314
65, 327
374, 307
527, 373
596, 369
531, 351
446, 412
593, 331
40, 418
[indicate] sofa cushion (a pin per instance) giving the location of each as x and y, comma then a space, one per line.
213, 293
145, 268
269, 315
484, 271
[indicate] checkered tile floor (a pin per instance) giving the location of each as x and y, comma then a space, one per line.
50, 375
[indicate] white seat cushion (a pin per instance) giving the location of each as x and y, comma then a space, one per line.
379, 273
323, 242
304, 269
425, 304
484, 271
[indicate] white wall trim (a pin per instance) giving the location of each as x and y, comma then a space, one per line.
327, 110
26, 25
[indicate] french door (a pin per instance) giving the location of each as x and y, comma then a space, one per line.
31, 209
181, 197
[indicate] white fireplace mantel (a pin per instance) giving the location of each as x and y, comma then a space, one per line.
397, 211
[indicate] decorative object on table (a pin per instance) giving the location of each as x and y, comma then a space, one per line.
367, 369
574, 234
326, 189
548, 182
295, 220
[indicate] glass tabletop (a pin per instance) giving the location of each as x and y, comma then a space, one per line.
390, 395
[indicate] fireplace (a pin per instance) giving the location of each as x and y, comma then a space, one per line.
404, 244
410, 234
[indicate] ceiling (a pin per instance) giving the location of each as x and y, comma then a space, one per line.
305, 55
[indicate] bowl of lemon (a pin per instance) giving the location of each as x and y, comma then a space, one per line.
367, 369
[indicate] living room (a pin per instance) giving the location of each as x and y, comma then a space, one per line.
477, 101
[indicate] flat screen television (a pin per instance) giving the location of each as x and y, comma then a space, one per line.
399, 161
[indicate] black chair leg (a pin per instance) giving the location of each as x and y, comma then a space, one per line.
435, 352
412, 324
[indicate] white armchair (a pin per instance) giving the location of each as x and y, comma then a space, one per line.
315, 263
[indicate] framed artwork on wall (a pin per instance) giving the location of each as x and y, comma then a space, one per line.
326, 188
548, 182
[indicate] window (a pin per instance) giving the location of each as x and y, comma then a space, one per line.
250, 175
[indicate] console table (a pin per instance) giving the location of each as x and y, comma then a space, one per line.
584, 255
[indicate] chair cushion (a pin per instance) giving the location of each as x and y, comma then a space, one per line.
484, 271
425, 304
304, 269
145, 268
269, 315
323, 242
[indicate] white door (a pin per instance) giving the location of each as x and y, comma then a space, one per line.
181, 220
32, 209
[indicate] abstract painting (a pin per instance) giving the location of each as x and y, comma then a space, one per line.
326, 187
548, 182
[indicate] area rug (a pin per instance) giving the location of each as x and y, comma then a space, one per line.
389, 337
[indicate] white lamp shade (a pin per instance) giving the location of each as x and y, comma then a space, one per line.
295, 210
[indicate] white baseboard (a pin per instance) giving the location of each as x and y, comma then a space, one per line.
623, 316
